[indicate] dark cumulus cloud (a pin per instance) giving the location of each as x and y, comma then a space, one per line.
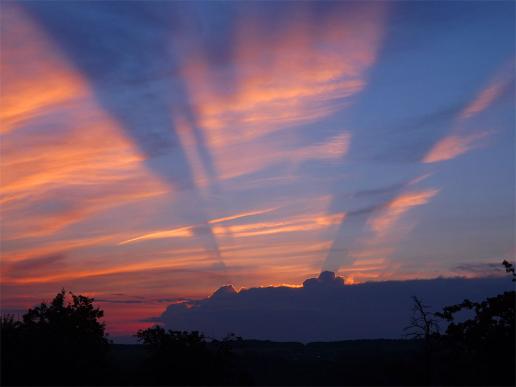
324, 308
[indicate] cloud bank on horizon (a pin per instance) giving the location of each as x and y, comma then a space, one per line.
170, 147
323, 309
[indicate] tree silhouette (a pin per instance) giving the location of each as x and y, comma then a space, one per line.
509, 268
11, 351
423, 326
62, 342
187, 358
484, 334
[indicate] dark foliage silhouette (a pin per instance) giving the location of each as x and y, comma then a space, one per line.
509, 268
62, 342
486, 336
11, 349
486, 339
478, 345
187, 358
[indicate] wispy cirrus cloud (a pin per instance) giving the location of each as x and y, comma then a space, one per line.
369, 237
296, 224
285, 225
63, 158
311, 70
180, 232
372, 254
485, 98
460, 141
454, 145
241, 215
392, 212
189, 231
307, 66
30, 88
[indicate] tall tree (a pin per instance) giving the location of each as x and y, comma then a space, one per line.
61, 342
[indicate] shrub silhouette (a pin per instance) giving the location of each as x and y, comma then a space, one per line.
62, 342
487, 340
478, 344
480, 337
188, 358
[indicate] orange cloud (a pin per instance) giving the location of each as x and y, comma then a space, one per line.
63, 158
397, 207
368, 256
306, 72
187, 231
241, 215
454, 145
31, 88
244, 251
458, 142
335, 148
484, 99
248, 157
45, 248
180, 232
78, 271
296, 224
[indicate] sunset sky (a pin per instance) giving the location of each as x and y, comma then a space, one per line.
152, 152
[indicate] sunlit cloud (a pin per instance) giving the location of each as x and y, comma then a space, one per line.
31, 88
484, 99
454, 145
241, 215
188, 231
243, 251
63, 158
459, 141
335, 148
78, 274
299, 224
43, 248
310, 72
175, 233
378, 233
397, 207
294, 224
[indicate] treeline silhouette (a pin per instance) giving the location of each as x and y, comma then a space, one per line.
65, 343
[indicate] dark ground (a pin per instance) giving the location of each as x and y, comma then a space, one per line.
357, 362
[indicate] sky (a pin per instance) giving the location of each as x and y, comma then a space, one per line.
151, 152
